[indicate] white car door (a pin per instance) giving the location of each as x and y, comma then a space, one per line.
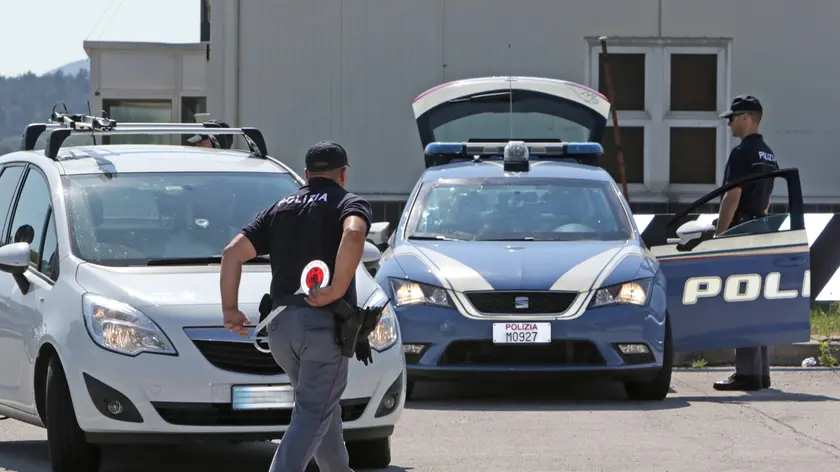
9, 366
30, 221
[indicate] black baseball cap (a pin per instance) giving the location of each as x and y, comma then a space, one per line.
743, 103
223, 141
325, 155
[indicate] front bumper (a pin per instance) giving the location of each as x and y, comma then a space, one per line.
186, 397
453, 347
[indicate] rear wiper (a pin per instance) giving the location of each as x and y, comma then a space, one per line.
434, 238
199, 261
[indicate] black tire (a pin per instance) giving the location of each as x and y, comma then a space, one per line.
370, 454
69, 449
658, 387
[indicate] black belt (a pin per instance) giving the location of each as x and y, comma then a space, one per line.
298, 299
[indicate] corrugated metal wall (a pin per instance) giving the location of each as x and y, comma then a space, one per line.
348, 70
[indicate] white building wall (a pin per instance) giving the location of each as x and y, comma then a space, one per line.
348, 70
151, 80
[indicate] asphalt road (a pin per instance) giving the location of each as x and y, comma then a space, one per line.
794, 426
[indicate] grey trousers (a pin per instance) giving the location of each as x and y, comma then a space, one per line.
752, 361
302, 342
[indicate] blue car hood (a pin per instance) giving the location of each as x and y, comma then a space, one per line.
528, 265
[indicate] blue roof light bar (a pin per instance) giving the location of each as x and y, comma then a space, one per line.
498, 149
440, 153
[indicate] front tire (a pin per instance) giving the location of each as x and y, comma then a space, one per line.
370, 454
658, 387
69, 449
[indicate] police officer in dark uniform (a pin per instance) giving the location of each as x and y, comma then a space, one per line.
320, 222
740, 205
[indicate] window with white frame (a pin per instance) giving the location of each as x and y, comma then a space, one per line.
668, 94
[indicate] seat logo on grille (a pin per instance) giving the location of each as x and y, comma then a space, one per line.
520, 303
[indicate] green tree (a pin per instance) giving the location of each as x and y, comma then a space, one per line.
29, 98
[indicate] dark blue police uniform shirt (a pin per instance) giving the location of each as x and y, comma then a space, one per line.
303, 227
752, 156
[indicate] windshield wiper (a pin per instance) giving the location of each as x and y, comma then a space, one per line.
526, 238
175, 261
434, 238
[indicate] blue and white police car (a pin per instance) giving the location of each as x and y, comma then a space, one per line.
517, 254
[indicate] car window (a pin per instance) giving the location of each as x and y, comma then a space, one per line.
30, 214
132, 219
8, 184
509, 115
767, 224
552, 209
48, 265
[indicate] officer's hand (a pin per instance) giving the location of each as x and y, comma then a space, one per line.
235, 321
323, 296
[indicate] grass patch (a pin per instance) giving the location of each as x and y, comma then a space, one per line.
698, 363
825, 324
825, 321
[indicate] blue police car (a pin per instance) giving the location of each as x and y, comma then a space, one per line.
517, 254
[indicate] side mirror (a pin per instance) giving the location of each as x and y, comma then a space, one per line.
692, 233
14, 258
370, 257
371, 253
378, 233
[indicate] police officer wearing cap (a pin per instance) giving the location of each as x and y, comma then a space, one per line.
741, 204
321, 222
220, 141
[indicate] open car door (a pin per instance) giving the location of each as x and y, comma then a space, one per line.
749, 286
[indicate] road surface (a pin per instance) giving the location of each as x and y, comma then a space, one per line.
794, 426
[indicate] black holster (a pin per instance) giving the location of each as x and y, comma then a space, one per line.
348, 324
353, 326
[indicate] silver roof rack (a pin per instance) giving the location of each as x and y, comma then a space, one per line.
63, 125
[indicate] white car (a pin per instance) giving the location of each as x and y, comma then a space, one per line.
110, 314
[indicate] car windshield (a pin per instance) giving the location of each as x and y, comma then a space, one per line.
165, 218
553, 209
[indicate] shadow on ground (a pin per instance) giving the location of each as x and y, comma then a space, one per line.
768, 395
33, 456
573, 396
534, 395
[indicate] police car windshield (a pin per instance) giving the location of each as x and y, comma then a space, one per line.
172, 218
551, 209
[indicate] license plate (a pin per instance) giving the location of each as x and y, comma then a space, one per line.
521, 333
262, 397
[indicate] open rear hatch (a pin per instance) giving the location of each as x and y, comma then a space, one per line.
510, 108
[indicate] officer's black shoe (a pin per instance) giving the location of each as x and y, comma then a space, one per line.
745, 383
765, 381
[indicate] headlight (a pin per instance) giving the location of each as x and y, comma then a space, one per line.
407, 292
119, 327
385, 334
632, 293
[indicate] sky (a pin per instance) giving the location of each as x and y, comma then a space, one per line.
41, 35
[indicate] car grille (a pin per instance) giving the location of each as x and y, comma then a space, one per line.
240, 357
557, 353
221, 414
537, 302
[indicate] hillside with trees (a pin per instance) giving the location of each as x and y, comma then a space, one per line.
30, 98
